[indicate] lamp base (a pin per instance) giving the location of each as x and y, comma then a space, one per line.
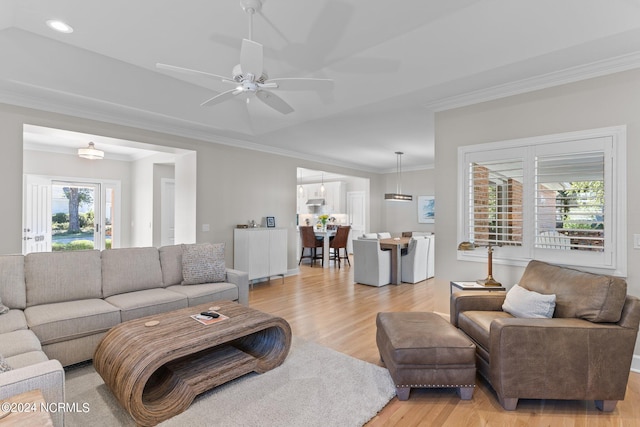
489, 281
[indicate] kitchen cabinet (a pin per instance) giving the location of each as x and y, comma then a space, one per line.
335, 197
261, 252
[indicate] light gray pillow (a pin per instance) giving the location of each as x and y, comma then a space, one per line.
4, 366
3, 308
521, 302
203, 263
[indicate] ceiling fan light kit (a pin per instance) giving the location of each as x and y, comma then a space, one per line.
249, 76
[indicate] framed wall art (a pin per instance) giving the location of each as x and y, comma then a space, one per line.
426, 209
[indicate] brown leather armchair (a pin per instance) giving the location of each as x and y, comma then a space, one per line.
583, 353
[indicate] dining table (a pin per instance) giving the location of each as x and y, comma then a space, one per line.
326, 240
395, 245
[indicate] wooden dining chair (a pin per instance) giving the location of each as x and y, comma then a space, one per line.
340, 242
309, 241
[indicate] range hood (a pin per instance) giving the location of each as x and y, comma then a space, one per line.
315, 202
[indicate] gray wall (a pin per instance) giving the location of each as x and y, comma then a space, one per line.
233, 185
600, 102
403, 216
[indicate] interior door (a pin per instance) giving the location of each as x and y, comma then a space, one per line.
168, 211
36, 223
355, 215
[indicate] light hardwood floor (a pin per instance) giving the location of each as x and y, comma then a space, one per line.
327, 307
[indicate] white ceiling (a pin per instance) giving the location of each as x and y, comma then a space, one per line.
393, 63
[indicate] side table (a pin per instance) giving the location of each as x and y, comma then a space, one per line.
472, 286
26, 409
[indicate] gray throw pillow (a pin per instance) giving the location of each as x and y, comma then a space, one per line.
203, 263
521, 302
4, 366
3, 308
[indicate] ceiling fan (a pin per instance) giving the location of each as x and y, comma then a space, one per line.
249, 76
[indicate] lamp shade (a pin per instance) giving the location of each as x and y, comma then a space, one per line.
91, 152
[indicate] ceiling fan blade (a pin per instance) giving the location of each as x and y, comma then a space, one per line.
221, 97
302, 83
274, 101
251, 57
192, 72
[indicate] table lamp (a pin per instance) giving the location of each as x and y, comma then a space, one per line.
489, 281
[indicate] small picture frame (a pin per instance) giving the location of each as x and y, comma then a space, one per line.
271, 221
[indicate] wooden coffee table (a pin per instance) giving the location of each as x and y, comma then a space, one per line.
156, 371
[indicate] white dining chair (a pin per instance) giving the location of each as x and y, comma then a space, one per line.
371, 265
414, 264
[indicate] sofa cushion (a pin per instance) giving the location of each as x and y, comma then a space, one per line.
4, 365
203, 263
593, 297
171, 263
18, 342
130, 269
208, 292
62, 276
14, 320
134, 305
27, 359
528, 304
64, 321
477, 324
12, 287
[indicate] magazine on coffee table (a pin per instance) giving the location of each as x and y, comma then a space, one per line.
208, 320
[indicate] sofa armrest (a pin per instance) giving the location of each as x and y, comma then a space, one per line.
241, 280
47, 376
560, 357
476, 301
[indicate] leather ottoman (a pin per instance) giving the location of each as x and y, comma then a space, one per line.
423, 350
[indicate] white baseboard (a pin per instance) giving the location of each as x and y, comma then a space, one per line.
293, 271
635, 363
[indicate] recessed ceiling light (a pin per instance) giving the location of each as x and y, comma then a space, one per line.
59, 26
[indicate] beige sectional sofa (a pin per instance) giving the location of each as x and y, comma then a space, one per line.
62, 303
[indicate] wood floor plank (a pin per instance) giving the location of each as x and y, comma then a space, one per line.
327, 307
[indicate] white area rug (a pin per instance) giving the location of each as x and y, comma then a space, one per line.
315, 386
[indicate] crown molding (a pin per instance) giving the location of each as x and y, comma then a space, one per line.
556, 78
25, 95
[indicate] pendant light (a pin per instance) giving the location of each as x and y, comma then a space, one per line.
91, 152
300, 188
322, 184
398, 196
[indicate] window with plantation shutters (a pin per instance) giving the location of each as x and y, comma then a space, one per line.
495, 208
569, 201
558, 198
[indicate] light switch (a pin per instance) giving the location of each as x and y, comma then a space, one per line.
205, 227
636, 241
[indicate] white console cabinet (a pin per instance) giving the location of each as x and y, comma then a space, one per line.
261, 252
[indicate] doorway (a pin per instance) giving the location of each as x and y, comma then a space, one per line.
67, 215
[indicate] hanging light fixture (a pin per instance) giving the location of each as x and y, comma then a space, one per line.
300, 188
322, 184
398, 196
91, 152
